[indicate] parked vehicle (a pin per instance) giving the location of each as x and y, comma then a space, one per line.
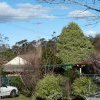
8, 91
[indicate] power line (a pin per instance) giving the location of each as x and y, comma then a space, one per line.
73, 1
26, 28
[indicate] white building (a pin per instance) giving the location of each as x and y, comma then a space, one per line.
17, 64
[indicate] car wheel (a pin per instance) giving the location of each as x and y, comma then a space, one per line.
1, 97
13, 93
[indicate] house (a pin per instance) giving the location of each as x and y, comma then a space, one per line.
17, 64
85, 67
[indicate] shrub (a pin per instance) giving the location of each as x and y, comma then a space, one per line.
50, 88
2, 73
72, 74
84, 86
27, 92
17, 82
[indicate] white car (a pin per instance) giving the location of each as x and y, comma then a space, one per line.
8, 91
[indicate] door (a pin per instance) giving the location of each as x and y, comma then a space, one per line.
4, 91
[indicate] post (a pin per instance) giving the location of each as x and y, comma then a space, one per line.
45, 70
80, 71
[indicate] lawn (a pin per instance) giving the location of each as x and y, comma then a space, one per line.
21, 97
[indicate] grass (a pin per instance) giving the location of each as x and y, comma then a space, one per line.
21, 97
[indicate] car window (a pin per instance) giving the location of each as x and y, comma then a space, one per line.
3, 85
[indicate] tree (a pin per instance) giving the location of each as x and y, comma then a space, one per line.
7, 55
95, 61
85, 3
84, 86
32, 71
49, 53
3, 48
96, 42
20, 47
3, 45
73, 46
23, 47
50, 88
95, 56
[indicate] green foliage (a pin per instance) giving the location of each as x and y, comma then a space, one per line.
50, 88
20, 97
49, 53
95, 41
17, 82
84, 86
72, 45
7, 54
72, 74
2, 73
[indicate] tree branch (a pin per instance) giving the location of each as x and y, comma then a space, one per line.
73, 1
82, 4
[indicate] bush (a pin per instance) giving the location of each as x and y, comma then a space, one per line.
27, 92
2, 73
50, 88
17, 82
84, 86
72, 74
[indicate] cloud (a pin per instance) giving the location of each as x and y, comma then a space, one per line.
90, 33
80, 14
23, 12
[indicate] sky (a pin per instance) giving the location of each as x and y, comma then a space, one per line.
32, 20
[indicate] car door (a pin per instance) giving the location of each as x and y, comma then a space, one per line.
0, 90
4, 91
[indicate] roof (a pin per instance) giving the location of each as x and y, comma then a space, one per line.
27, 57
16, 61
19, 62
88, 62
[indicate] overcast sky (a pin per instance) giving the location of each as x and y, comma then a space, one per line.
32, 20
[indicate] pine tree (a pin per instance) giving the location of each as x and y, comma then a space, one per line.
73, 46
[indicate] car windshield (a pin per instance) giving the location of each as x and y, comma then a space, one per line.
4, 81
